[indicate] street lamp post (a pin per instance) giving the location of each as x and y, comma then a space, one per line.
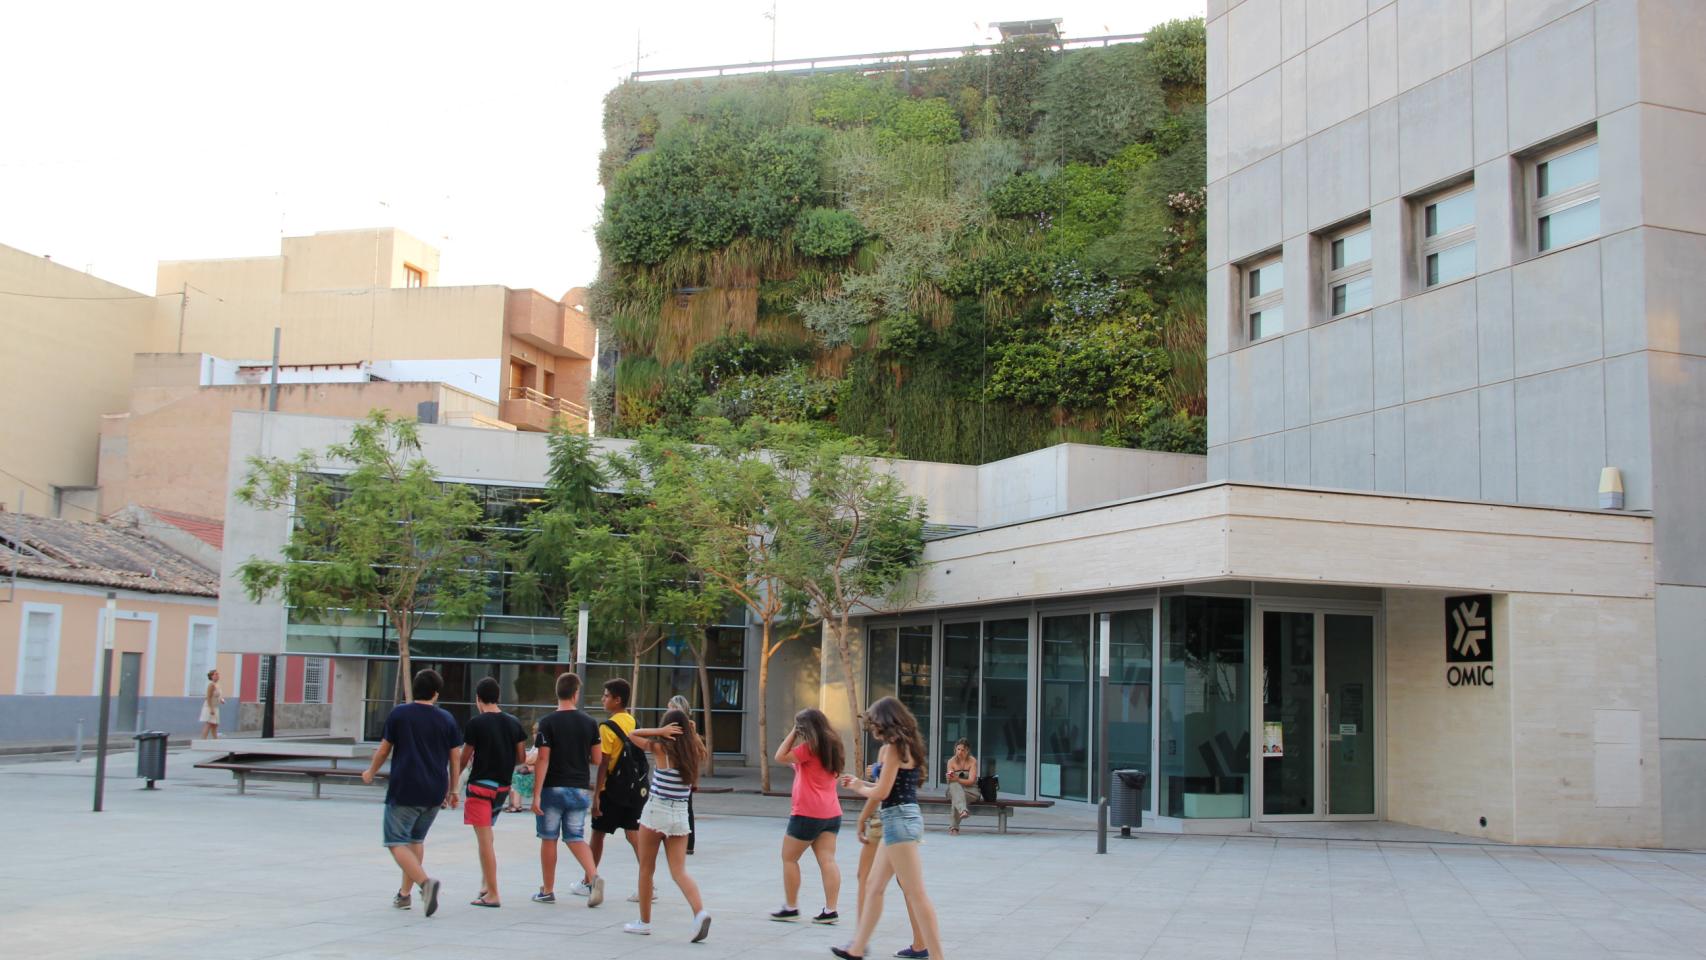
106, 697
1104, 623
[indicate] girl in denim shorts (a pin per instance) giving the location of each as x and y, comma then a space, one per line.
901, 757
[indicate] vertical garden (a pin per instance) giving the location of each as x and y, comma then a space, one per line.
962, 261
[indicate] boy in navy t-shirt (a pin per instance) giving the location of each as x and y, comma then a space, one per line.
424, 745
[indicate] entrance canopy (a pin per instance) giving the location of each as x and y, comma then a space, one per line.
1235, 531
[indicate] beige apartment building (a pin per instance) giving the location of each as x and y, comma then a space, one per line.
361, 325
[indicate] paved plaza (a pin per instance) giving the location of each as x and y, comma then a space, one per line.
194, 870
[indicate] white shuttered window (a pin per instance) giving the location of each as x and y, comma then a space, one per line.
39, 657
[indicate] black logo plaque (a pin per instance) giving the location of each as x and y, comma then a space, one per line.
1469, 629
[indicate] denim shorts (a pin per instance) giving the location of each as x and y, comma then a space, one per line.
565, 814
902, 824
808, 829
407, 825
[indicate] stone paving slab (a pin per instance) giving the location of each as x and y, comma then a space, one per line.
193, 870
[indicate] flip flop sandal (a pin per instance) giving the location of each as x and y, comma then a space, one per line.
481, 901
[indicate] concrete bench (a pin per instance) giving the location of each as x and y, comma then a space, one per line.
314, 775
1003, 807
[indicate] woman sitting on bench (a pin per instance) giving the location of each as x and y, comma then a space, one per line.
962, 777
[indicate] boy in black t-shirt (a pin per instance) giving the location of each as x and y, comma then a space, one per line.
568, 752
496, 745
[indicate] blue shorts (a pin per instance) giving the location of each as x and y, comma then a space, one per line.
565, 814
902, 824
407, 825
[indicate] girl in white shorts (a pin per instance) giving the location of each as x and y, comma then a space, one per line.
675, 771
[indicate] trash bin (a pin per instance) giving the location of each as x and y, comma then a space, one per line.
1125, 800
151, 756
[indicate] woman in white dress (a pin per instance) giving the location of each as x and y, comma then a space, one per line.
210, 704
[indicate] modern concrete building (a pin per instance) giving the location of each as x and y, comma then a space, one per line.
1452, 246
1456, 249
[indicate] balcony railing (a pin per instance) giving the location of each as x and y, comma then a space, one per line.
529, 408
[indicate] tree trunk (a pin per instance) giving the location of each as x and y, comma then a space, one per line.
855, 709
763, 710
705, 697
405, 679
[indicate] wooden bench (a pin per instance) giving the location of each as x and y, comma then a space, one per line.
1003, 807
315, 775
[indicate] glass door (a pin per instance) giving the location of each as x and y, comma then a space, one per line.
1348, 647
1317, 715
1063, 711
1289, 740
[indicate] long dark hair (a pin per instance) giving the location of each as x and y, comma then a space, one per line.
893, 724
820, 738
686, 752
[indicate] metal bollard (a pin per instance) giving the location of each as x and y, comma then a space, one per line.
79, 740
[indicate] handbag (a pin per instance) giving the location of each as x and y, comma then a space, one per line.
989, 786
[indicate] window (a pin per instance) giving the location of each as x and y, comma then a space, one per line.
1350, 284
314, 679
38, 657
1448, 236
266, 682
203, 653
1566, 196
413, 276
1264, 299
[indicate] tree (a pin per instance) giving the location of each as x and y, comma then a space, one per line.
855, 539
375, 532
728, 506
574, 478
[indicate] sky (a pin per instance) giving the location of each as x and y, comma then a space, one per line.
132, 133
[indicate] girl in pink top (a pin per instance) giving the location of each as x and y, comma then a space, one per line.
814, 748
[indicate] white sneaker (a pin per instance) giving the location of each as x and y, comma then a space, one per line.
635, 897
580, 888
638, 927
595, 896
703, 920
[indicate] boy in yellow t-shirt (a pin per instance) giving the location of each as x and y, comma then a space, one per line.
607, 819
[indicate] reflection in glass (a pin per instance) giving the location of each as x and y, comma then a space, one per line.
914, 677
1006, 683
881, 652
1205, 708
1452, 263
1063, 712
1349, 653
1353, 295
1129, 691
961, 674
1564, 227
1288, 713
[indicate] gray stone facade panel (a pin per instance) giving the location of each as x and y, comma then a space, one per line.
1560, 437
1442, 447
1557, 318
1498, 442
1342, 453
1436, 139
1341, 368
1440, 342
1551, 80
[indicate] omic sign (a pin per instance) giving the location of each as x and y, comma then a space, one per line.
1469, 640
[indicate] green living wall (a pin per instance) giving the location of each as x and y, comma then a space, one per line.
963, 261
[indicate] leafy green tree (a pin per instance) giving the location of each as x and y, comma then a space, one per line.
730, 505
855, 539
382, 536
552, 535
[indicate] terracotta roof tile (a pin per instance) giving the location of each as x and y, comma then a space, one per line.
205, 529
97, 554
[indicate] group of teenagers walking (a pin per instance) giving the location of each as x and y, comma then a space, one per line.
584, 770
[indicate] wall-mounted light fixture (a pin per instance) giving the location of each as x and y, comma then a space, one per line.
1611, 489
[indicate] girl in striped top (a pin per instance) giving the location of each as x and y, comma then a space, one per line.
675, 771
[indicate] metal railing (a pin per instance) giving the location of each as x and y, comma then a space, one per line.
550, 404
855, 61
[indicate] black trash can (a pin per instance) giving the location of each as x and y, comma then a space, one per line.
151, 756
1125, 800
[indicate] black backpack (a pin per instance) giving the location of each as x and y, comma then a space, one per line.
629, 782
